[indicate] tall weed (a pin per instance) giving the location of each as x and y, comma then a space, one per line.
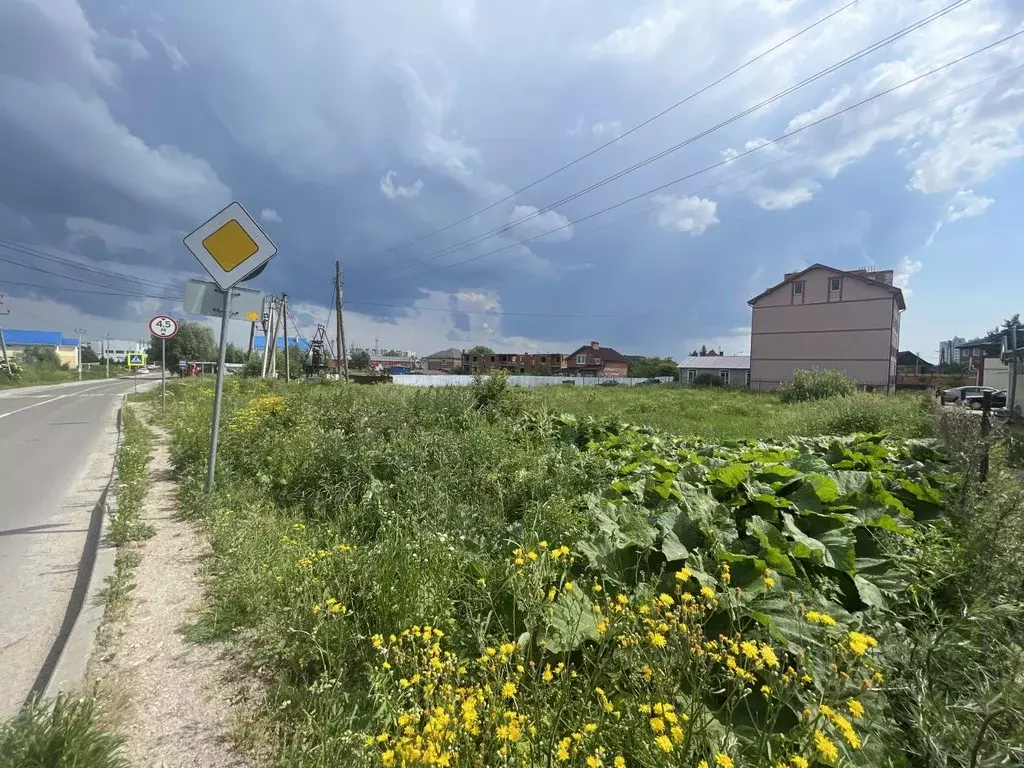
64, 733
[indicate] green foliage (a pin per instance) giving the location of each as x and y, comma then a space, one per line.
43, 357
194, 342
707, 381
816, 384
348, 512
88, 355
653, 367
360, 359
61, 734
132, 461
481, 349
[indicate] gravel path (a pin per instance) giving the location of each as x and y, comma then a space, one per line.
178, 707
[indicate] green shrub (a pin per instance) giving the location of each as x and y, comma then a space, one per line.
816, 384
706, 381
908, 415
63, 734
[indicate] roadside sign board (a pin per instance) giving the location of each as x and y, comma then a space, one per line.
163, 327
205, 298
230, 246
135, 360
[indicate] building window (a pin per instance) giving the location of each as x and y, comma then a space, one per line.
691, 374
748, 378
725, 376
597, 361
581, 359
798, 292
835, 285
977, 352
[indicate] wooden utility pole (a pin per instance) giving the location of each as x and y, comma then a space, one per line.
1011, 391
252, 339
267, 328
287, 361
340, 330
273, 349
3, 343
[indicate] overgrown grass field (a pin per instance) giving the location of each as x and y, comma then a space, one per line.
487, 576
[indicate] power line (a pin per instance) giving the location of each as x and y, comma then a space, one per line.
726, 161
664, 153
30, 249
54, 274
632, 130
96, 293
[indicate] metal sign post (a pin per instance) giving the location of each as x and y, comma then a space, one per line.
164, 328
218, 390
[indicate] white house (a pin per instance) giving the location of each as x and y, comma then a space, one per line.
733, 370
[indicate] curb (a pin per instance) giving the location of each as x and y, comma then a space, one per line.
62, 669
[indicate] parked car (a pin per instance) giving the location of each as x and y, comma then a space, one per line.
609, 383
650, 381
975, 401
956, 394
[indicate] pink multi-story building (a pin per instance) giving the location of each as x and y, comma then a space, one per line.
824, 317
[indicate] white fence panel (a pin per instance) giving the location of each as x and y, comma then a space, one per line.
427, 380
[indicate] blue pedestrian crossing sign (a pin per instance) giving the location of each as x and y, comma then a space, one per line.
135, 360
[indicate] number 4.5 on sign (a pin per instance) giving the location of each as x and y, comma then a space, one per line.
164, 328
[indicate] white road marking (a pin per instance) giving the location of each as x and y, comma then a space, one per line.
52, 399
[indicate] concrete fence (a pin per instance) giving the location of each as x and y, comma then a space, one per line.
416, 380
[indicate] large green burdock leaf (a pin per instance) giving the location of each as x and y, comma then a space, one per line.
730, 475
571, 623
773, 545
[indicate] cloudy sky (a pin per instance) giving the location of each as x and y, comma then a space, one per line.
398, 137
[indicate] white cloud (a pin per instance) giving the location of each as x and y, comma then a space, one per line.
904, 272
966, 204
607, 129
549, 221
130, 45
271, 215
691, 215
642, 39
783, 199
178, 61
391, 191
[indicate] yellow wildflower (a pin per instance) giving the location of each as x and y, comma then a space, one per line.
855, 707
508, 690
768, 655
814, 617
657, 639
657, 725
708, 592
663, 743
799, 762
677, 734
388, 758
665, 599
825, 747
593, 761
861, 643
569, 586
750, 649
722, 760
620, 762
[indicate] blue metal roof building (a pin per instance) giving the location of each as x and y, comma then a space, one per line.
19, 338
260, 343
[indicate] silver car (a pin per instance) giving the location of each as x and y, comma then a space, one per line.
957, 394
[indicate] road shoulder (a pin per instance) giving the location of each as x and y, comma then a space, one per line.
176, 699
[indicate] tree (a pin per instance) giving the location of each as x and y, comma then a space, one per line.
296, 358
360, 359
44, 356
481, 349
89, 355
653, 367
193, 342
233, 354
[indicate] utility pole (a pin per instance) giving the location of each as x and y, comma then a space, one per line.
341, 322
287, 361
268, 325
3, 343
252, 339
106, 354
1011, 395
272, 373
78, 350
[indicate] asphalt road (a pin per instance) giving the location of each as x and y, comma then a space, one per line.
57, 446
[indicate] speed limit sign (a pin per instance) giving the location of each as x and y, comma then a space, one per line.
163, 327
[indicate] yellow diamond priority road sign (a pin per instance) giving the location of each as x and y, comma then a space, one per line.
230, 246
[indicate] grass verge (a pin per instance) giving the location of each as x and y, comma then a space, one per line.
469, 577
64, 733
31, 375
